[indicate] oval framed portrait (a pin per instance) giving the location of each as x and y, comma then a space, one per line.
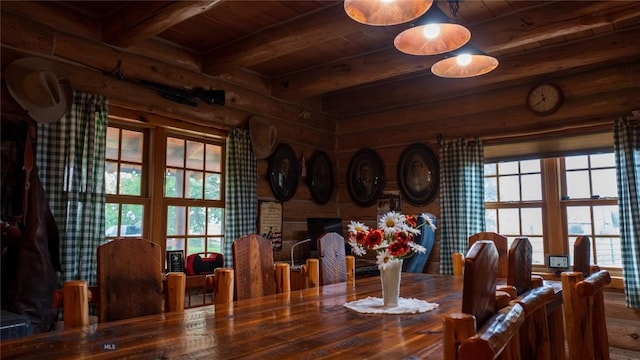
320, 177
418, 174
283, 172
365, 177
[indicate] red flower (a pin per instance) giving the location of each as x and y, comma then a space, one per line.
361, 237
398, 249
411, 220
403, 238
374, 238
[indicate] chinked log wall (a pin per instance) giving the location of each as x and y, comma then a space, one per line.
593, 99
74, 44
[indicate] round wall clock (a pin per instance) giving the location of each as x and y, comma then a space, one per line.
544, 99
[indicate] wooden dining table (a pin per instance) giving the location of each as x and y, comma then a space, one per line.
304, 324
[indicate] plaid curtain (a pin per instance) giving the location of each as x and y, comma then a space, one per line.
627, 150
241, 190
70, 156
461, 196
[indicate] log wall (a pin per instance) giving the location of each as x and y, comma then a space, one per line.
88, 63
494, 111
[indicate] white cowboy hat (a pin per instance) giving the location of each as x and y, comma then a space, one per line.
36, 85
264, 137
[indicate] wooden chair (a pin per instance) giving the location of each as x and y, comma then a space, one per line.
519, 265
129, 284
478, 296
498, 329
496, 338
254, 270
534, 334
479, 284
582, 255
209, 289
586, 328
501, 244
335, 265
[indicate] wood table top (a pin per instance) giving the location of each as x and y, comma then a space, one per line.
306, 324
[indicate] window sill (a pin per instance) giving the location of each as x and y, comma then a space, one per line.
617, 282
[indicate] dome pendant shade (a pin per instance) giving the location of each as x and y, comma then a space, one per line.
450, 68
385, 12
414, 42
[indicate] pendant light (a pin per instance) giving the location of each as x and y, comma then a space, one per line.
463, 63
433, 34
385, 12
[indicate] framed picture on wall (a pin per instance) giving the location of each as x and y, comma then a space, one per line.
283, 172
270, 222
320, 177
365, 177
418, 174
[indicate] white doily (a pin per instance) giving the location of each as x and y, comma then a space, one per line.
373, 305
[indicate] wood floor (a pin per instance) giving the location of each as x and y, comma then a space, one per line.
623, 326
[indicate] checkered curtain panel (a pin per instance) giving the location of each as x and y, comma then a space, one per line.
70, 157
461, 196
627, 150
241, 190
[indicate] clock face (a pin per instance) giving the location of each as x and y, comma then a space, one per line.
544, 99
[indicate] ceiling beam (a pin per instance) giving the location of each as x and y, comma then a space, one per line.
281, 40
507, 34
620, 47
140, 20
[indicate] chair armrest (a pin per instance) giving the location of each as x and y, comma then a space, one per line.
457, 328
222, 283
494, 336
74, 299
174, 292
311, 272
351, 267
283, 277
458, 263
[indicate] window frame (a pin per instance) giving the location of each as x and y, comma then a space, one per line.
144, 197
191, 202
554, 213
157, 130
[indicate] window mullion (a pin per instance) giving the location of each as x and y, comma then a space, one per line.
554, 218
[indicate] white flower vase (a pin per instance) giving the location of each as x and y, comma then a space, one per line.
390, 280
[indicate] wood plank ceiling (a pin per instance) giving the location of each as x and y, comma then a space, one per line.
309, 49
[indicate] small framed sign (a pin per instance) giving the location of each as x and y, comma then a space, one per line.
270, 222
558, 262
175, 261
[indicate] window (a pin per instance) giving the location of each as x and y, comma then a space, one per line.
125, 182
591, 205
514, 202
193, 191
522, 198
182, 183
